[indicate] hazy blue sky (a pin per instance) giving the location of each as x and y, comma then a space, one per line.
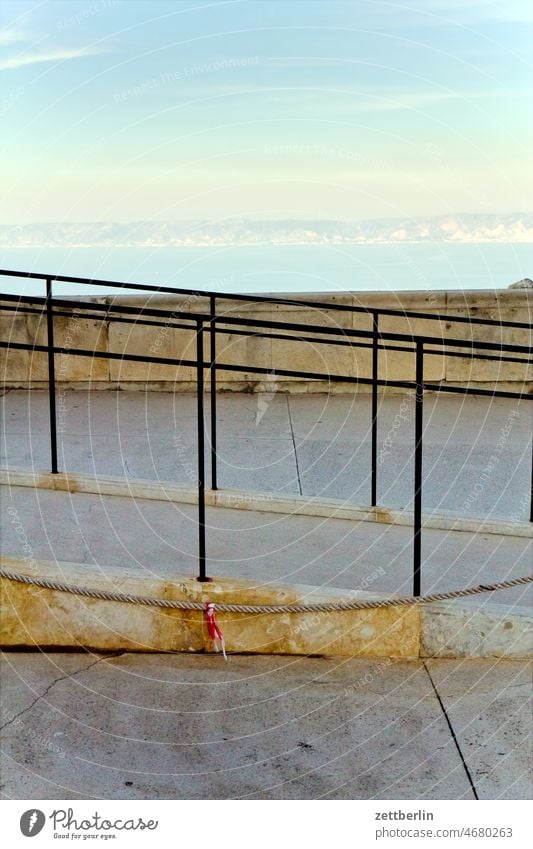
125, 109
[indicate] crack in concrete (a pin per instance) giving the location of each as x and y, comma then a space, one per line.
56, 681
452, 732
294, 447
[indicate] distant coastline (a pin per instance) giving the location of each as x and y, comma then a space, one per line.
469, 228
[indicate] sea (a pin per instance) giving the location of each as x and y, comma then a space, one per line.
276, 268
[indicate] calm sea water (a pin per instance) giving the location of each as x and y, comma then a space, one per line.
316, 268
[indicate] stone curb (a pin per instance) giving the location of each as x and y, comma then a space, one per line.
265, 502
36, 617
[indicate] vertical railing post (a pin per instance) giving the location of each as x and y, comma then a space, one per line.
213, 395
419, 427
375, 372
531, 488
51, 376
202, 576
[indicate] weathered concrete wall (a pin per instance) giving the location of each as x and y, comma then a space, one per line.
33, 616
23, 369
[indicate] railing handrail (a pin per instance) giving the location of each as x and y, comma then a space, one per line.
207, 319
213, 323
269, 299
221, 366
316, 340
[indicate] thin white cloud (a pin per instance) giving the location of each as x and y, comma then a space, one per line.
348, 98
479, 11
407, 101
306, 61
377, 99
52, 56
362, 101
9, 36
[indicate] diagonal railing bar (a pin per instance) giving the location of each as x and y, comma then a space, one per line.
322, 376
349, 333
315, 340
269, 299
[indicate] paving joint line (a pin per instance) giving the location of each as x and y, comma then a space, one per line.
294, 445
452, 732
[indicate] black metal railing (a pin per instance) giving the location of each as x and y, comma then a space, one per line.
214, 322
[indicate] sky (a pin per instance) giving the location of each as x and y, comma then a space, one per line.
120, 110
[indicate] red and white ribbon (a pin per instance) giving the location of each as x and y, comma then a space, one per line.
215, 634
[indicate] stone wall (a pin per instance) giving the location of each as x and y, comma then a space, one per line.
22, 369
38, 617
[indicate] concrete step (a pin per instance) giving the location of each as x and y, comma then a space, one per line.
267, 502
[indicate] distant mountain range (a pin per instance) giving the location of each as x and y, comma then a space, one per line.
466, 228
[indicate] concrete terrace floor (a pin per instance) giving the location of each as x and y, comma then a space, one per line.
164, 726
263, 444
316, 445
135, 726
159, 538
